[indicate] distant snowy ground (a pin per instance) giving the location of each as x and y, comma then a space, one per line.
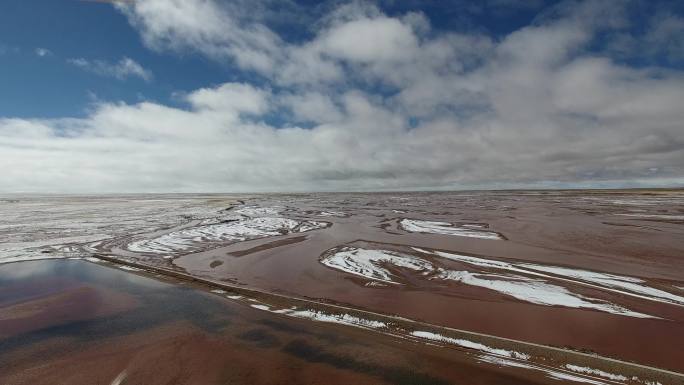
58, 227
39, 227
251, 226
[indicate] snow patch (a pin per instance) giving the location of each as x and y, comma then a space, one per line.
505, 362
260, 307
571, 377
534, 291
556, 375
128, 268
317, 315
344, 319
597, 372
311, 225
373, 265
118, 380
622, 284
256, 211
186, 239
332, 214
446, 228
470, 345
632, 284
368, 263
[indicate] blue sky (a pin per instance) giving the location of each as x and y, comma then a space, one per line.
49, 86
381, 95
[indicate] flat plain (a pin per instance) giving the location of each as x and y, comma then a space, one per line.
445, 287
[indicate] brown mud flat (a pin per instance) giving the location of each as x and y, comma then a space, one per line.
269, 245
181, 335
551, 228
551, 361
631, 233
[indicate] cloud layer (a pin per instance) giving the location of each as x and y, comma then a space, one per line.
370, 101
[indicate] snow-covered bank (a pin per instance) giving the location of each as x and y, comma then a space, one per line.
446, 228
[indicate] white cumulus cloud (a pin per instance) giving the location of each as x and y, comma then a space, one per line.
122, 69
367, 101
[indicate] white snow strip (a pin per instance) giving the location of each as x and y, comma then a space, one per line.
373, 264
129, 268
234, 296
500, 361
534, 291
92, 259
218, 291
556, 375
332, 214
344, 319
631, 284
252, 228
475, 261
311, 225
611, 282
317, 315
597, 372
368, 263
118, 380
446, 228
470, 345
260, 307
562, 376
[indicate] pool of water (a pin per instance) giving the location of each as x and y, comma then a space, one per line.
155, 302
71, 321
